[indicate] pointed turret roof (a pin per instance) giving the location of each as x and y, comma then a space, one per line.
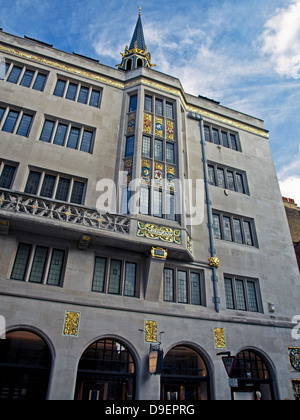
138, 36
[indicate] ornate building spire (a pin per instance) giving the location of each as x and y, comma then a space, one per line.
136, 55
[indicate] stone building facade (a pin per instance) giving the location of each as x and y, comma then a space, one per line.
187, 262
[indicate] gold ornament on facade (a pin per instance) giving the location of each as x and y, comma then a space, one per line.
214, 262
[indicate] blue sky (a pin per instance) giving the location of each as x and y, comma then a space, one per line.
244, 54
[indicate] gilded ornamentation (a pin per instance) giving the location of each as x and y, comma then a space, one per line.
294, 355
151, 332
170, 177
296, 389
163, 233
170, 130
220, 338
158, 174
148, 123
159, 126
189, 244
71, 324
131, 123
128, 170
145, 175
214, 262
160, 253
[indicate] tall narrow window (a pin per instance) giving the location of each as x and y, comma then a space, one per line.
7, 176
195, 289
229, 293
130, 280
60, 88
14, 74
33, 182
24, 126
87, 141
157, 203
72, 91
39, 82
77, 193
63, 188
47, 131
146, 147
38, 265
129, 146
99, 275
168, 285
83, 95
252, 298
48, 186
60, 135
73, 138
217, 226
115, 277
240, 295
10, 123
133, 103
56, 268
227, 229
27, 78
21, 261
95, 98
182, 286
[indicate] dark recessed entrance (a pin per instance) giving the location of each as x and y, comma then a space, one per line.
106, 372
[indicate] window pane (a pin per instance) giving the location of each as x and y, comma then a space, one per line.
24, 126
225, 139
77, 193
159, 106
83, 95
33, 182
233, 142
240, 295
95, 98
87, 139
21, 261
60, 88
169, 110
221, 178
99, 275
73, 138
157, 203
2, 110
237, 231
168, 285
170, 207
158, 150
227, 229
14, 75
240, 183
126, 194
7, 176
38, 265
170, 153
207, 134
63, 189
146, 148
182, 286
133, 103
216, 226
144, 201
129, 146
130, 279
115, 277
56, 267
72, 91
148, 103
10, 122
47, 131
60, 135
195, 289
39, 83
253, 307
229, 294
248, 233
211, 175
48, 186
230, 181
27, 78
216, 136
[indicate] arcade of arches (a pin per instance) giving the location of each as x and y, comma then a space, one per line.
107, 371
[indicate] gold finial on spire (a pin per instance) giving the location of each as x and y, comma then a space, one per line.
140, 10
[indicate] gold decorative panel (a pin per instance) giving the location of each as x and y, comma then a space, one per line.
220, 338
158, 173
71, 324
148, 123
170, 177
170, 130
128, 170
163, 233
131, 123
150, 331
159, 127
160, 253
145, 174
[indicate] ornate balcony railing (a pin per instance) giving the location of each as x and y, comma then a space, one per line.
62, 212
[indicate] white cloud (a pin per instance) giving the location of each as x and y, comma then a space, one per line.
281, 40
290, 188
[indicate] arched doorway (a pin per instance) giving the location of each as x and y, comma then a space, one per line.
253, 377
106, 371
25, 365
185, 376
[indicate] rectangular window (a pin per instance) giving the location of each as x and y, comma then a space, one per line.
77, 193
33, 182
27, 78
233, 142
158, 106
240, 183
157, 203
21, 262
221, 137
170, 153
221, 178
144, 201
7, 176
242, 294
42, 263
237, 231
229, 293
216, 136
14, 75
248, 233
73, 138
24, 126
169, 110
195, 289
225, 139
230, 181
99, 275
63, 188
227, 229
158, 150
47, 131
170, 207
2, 110
168, 285
83, 95
234, 229
38, 265
211, 175
182, 286
114, 277
217, 226
146, 147
10, 123
207, 134
60, 135
72, 92
60, 88
148, 103
87, 141
252, 297
48, 186
39, 83
130, 279
95, 99
133, 103
129, 146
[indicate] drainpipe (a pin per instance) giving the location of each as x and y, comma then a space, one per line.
214, 262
